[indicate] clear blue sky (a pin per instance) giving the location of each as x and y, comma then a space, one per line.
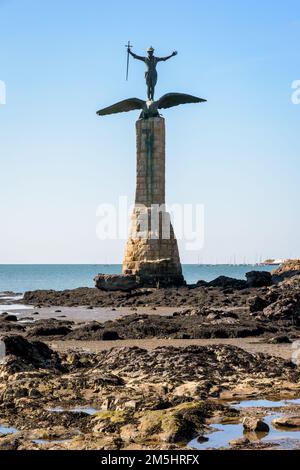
238, 154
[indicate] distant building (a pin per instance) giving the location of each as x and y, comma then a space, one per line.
271, 262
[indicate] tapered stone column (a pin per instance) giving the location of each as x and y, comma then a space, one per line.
151, 251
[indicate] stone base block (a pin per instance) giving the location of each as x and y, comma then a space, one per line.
160, 273
152, 253
115, 282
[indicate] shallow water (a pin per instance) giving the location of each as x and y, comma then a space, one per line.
13, 307
49, 441
266, 403
222, 434
87, 410
7, 304
10, 297
7, 430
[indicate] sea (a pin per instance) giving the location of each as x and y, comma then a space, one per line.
20, 278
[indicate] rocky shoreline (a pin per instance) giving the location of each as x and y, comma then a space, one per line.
224, 308
137, 398
127, 398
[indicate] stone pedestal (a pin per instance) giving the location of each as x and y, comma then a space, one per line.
151, 252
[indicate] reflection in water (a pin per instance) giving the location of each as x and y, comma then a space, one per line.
7, 430
223, 433
87, 410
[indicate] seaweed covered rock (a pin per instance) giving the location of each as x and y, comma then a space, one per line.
51, 327
175, 424
24, 354
287, 307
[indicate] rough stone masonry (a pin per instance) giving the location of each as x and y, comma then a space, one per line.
151, 251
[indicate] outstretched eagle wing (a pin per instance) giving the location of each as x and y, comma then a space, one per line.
174, 99
122, 106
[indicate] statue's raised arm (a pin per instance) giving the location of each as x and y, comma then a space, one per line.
135, 56
160, 59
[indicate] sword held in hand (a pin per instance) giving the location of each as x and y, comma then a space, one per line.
128, 46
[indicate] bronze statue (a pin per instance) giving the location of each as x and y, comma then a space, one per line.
151, 73
150, 107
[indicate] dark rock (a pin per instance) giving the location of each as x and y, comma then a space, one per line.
8, 317
280, 339
30, 353
227, 314
189, 323
49, 327
255, 424
110, 335
257, 304
225, 282
173, 297
259, 279
202, 439
274, 311
92, 330
50, 331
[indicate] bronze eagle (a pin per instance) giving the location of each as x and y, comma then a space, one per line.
150, 108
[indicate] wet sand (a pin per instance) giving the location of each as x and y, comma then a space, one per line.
84, 314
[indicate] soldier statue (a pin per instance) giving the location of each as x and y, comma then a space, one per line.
151, 74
